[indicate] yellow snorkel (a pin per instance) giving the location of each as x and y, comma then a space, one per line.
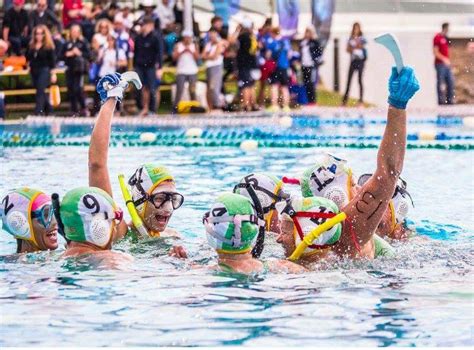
314, 234
136, 220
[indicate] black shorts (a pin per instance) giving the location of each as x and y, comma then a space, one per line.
245, 78
279, 76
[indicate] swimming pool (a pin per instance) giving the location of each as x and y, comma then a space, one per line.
423, 297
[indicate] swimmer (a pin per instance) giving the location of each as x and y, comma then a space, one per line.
232, 227
27, 214
366, 207
89, 217
330, 177
153, 189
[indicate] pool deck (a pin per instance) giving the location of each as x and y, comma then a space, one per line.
253, 118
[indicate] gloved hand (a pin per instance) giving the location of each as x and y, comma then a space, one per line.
402, 86
111, 86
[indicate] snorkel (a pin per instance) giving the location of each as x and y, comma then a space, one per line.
139, 193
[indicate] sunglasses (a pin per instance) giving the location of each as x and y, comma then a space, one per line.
44, 215
160, 198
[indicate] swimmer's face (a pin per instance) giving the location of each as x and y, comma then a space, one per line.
275, 222
286, 237
157, 219
47, 238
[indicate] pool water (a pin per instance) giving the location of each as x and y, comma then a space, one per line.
423, 297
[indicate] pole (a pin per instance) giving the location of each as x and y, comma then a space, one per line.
188, 15
336, 64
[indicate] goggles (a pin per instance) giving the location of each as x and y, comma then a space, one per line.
317, 217
160, 198
237, 220
400, 188
44, 215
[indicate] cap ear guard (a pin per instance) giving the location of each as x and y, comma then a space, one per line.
100, 231
18, 224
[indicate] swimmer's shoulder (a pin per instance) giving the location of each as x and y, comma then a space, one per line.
170, 232
285, 266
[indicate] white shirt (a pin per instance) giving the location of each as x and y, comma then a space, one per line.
166, 14
186, 62
109, 61
306, 59
211, 48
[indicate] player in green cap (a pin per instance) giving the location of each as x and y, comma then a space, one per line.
232, 227
153, 189
89, 218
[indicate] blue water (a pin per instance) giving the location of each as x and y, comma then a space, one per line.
424, 297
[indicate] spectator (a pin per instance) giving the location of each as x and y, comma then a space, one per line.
112, 58
41, 60
222, 9
311, 52
217, 25
148, 63
15, 27
43, 15
356, 48
127, 18
444, 75
124, 41
76, 56
279, 79
103, 29
247, 64
148, 7
73, 12
171, 39
165, 11
186, 54
213, 54
109, 13
266, 62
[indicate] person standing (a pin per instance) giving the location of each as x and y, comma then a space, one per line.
356, 48
213, 54
311, 52
148, 62
76, 56
279, 79
41, 60
43, 15
186, 54
444, 75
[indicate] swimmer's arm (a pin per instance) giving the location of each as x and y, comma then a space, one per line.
366, 209
98, 155
99, 148
285, 266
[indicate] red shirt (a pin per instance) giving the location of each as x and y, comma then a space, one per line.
441, 42
71, 5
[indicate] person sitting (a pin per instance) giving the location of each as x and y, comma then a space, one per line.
43, 15
15, 27
27, 214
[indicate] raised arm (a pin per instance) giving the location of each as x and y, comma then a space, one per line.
99, 147
365, 210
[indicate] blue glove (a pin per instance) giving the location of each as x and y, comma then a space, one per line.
402, 87
106, 85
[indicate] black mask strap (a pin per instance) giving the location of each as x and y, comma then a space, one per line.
57, 215
258, 248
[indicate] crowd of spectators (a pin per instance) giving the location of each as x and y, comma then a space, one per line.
90, 41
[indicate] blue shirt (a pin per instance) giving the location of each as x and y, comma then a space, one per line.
280, 49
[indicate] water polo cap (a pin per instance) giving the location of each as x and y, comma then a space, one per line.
329, 178
143, 182
87, 214
268, 189
309, 213
231, 224
16, 209
399, 205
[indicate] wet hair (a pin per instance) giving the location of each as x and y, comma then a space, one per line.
445, 25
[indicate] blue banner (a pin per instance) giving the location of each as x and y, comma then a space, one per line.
225, 9
288, 13
322, 11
